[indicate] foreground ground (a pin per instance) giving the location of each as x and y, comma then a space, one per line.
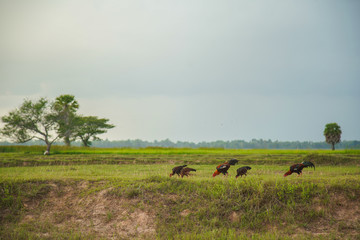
129, 195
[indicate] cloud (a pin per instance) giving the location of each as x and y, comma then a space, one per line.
193, 63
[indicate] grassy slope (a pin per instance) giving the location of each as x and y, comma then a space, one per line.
322, 204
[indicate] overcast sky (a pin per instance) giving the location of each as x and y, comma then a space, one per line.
189, 70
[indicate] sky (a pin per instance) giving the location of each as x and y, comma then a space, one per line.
189, 70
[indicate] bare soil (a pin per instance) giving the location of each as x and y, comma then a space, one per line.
96, 213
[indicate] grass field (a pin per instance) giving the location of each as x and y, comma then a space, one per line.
82, 193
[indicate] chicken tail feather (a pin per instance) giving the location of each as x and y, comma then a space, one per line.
233, 161
308, 164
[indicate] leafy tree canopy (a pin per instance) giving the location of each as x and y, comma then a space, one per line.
33, 120
89, 127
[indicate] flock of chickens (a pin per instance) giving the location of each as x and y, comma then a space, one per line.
223, 168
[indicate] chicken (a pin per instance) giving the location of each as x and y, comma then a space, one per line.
177, 170
297, 168
223, 168
242, 171
186, 171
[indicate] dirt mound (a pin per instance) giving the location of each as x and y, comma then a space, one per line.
98, 214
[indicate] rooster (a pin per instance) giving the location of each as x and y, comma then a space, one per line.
186, 171
242, 171
177, 170
223, 168
297, 168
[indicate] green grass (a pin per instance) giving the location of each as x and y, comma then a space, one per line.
322, 204
177, 156
260, 202
138, 172
159, 150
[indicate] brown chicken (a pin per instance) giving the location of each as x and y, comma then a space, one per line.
186, 171
177, 170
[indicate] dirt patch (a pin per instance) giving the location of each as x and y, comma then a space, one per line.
343, 216
71, 208
234, 217
346, 210
347, 215
185, 213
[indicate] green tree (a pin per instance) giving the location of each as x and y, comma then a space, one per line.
66, 107
332, 134
33, 120
89, 127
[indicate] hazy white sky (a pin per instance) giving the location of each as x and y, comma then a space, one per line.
189, 70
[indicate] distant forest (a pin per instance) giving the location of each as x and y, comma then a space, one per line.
234, 144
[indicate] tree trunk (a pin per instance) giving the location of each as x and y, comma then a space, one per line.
85, 141
48, 146
67, 141
333, 146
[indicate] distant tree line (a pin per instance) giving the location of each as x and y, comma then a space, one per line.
234, 144
45, 122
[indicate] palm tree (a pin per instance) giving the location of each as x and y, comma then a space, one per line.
332, 134
66, 107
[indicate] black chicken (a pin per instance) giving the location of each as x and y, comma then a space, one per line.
242, 171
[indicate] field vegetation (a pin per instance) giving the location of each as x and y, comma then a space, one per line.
91, 193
